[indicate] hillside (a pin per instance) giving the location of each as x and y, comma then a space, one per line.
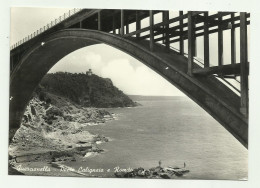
88, 91
55, 123
51, 133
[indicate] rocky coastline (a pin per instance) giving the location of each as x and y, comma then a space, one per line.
55, 124
155, 172
52, 134
55, 129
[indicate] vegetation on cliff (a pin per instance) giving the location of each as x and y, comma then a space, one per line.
85, 90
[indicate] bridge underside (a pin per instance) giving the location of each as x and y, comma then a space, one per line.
212, 95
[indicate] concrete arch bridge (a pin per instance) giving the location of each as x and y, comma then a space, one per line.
32, 57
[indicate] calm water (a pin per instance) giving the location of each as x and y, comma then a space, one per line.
173, 130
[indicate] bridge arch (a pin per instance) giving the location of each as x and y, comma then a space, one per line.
213, 96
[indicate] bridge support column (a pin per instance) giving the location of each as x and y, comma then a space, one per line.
220, 41
233, 40
151, 30
127, 26
206, 41
181, 32
191, 42
166, 27
163, 35
243, 63
122, 23
114, 24
138, 23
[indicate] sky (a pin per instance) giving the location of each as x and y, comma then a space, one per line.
127, 73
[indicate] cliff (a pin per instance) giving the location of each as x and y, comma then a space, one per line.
54, 128
54, 133
88, 91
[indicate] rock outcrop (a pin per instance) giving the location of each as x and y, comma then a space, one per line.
156, 172
82, 89
53, 133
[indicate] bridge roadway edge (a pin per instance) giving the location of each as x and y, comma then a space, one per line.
222, 109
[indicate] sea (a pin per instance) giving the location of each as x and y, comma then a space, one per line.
173, 130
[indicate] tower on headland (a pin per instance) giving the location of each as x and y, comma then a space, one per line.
89, 72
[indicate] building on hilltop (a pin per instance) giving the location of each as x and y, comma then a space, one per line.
89, 72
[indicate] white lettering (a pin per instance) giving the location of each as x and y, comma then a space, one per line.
118, 169
43, 169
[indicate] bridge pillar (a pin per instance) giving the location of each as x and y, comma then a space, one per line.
122, 23
191, 42
233, 40
243, 64
166, 27
206, 41
163, 35
220, 41
114, 24
138, 23
181, 34
127, 26
151, 30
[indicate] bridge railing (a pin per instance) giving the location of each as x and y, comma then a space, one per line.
200, 62
46, 27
